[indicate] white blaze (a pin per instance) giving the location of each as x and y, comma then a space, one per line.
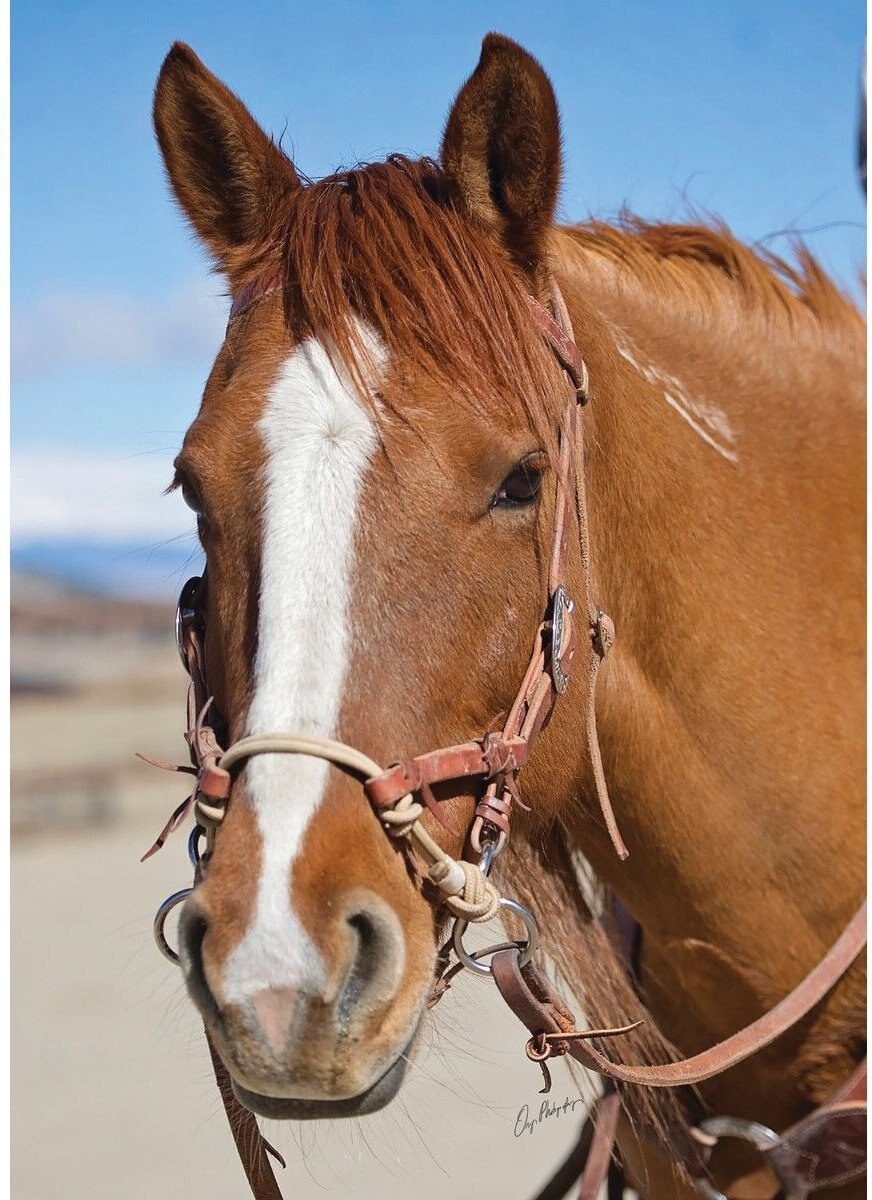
318, 441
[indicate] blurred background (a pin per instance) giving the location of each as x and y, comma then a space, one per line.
747, 109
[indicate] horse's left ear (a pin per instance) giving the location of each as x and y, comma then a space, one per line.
501, 148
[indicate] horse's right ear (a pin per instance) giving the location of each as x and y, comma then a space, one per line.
227, 174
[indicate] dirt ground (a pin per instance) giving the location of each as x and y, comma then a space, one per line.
112, 1091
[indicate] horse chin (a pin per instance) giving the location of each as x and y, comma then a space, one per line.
376, 1096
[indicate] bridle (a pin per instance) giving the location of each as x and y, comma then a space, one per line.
466, 888
833, 1136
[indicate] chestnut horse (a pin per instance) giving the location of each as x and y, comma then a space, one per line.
373, 469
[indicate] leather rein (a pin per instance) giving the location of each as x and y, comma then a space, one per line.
823, 1149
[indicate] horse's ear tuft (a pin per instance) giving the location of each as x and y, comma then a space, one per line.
227, 174
501, 148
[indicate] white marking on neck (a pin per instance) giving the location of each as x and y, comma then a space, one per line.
708, 422
318, 441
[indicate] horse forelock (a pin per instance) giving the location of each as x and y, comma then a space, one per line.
382, 248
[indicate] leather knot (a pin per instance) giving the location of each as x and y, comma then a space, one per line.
503, 757
411, 770
603, 633
539, 1049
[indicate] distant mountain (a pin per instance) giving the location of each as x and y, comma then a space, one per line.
46, 609
130, 570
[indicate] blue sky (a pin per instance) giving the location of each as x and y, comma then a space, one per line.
745, 109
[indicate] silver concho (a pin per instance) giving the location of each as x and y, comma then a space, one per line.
561, 605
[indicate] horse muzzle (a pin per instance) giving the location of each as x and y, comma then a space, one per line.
333, 1043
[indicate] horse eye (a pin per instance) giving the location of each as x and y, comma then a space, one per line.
520, 488
190, 497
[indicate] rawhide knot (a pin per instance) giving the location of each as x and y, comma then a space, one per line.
397, 780
542, 1046
479, 900
409, 776
603, 633
398, 821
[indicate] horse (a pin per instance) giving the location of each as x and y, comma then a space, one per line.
391, 489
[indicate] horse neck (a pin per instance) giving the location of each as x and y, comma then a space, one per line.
727, 546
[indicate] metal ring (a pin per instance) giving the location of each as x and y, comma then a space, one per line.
185, 614
758, 1135
194, 846
160, 920
460, 927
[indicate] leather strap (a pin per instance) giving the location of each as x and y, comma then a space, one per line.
494, 755
562, 343
602, 1150
529, 997
252, 1147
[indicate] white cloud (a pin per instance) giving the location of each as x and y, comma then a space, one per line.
101, 497
64, 329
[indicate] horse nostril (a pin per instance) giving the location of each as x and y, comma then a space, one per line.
365, 928
377, 963
193, 928
364, 966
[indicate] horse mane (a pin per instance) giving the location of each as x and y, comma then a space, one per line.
707, 262
385, 243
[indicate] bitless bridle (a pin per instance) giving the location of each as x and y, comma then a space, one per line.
464, 884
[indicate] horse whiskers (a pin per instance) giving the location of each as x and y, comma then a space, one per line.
422, 1139
430, 1077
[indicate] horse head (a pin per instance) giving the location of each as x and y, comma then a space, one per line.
375, 471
